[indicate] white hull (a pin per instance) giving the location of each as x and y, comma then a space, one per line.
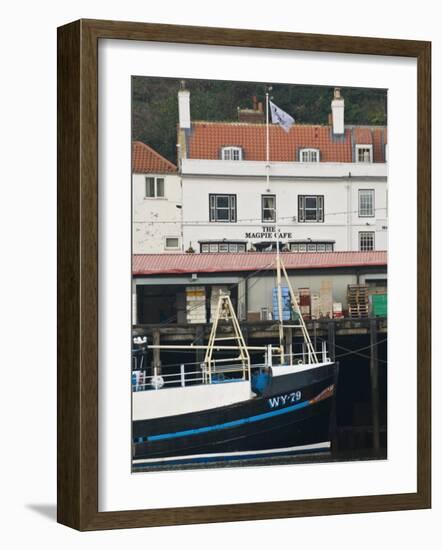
173, 401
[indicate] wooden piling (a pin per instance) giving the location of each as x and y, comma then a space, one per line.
331, 326
156, 360
288, 344
374, 376
199, 340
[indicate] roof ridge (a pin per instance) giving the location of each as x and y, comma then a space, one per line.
297, 124
238, 123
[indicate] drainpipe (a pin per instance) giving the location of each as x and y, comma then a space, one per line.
246, 298
182, 216
179, 165
349, 214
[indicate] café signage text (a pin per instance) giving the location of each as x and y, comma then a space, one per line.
268, 232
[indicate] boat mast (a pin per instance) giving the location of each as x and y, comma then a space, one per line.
226, 312
278, 264
311, 352
279, 292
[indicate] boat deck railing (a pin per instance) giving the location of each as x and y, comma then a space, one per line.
142, 381
147, 378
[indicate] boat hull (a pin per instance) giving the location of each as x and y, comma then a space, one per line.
293, 413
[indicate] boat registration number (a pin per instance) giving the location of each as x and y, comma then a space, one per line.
285, 399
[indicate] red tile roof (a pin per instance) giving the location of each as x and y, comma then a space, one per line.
207, 138
156, 264
146, 160
362, 136
379, 141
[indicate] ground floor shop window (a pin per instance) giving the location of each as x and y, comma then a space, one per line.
222, 247
309, 246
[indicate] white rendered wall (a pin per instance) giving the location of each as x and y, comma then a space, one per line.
341, 223
155, 219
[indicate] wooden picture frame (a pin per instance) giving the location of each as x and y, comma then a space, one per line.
78, 274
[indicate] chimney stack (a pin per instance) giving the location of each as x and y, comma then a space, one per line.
254, 115
184, 106
337, 106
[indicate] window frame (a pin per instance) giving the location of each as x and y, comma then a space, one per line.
309, 150
177, 247
320, 216
155, 187
360, 146
296, 247
267, 196
229, 149
373, 209
373, 234
231, 208
214, 247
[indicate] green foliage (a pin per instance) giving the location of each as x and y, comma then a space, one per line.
155, 105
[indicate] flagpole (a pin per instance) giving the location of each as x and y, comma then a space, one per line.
267, 143
278, 259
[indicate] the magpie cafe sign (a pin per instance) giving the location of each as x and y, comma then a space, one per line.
268, 233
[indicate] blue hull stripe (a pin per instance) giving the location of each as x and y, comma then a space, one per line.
232, 424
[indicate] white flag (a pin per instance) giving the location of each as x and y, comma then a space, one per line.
281, 117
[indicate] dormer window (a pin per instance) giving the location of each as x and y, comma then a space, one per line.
231, 153
309, 155
364, 153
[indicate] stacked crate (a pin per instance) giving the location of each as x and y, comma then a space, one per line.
357, 299
337, 310
214, 299
196, 304
316, 306
285, 304
305, 302
326, 299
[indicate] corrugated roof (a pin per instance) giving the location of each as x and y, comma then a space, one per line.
206, 140
157, 264
146, 160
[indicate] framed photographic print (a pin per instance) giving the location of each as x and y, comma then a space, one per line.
244, 275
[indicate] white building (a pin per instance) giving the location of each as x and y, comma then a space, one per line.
327, 187
156, 199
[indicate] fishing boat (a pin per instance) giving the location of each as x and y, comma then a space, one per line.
229, 408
